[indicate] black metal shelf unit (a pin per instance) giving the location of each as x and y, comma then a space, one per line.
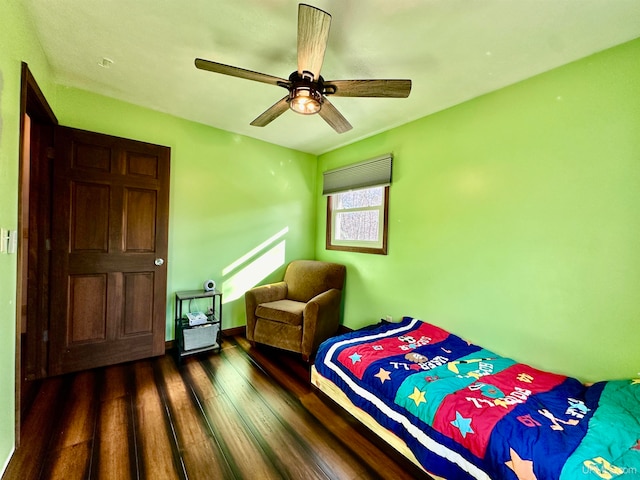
206, 337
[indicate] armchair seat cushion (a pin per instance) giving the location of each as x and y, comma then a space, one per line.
283, 311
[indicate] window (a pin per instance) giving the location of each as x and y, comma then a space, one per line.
357, 220
357, 206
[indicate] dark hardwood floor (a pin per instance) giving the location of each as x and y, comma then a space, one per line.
244, 413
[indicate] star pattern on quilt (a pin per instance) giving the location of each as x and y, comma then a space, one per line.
383, 375
636, 446
462, 424
417, 396
635, 381
355, 358
522, 468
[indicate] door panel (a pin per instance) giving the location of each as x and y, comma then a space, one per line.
87, 306
91, 157
111, 201
140, 227
143, 165
89, 217
137, 312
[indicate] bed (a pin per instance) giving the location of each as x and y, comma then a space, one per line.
460, 411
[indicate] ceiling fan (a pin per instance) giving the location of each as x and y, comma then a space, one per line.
307, 90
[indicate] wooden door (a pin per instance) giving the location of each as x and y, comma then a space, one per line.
109, 242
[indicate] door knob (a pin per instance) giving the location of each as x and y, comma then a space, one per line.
159, 261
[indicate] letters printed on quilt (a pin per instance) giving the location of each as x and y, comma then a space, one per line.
515, 420
359, 357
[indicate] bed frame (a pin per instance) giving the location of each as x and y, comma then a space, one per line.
330, 389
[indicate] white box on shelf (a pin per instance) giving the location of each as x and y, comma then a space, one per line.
200, 337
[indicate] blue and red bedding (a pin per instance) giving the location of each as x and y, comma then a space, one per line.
466, 412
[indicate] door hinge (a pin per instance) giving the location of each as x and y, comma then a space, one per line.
47, 244
45, 336
51, 153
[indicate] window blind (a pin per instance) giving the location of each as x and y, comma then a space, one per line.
375, 172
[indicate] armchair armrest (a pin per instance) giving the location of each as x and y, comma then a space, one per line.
321, 319
268, 293
258, 295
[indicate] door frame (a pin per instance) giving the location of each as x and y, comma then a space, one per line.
34, 104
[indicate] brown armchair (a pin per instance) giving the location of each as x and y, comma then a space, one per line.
300, 312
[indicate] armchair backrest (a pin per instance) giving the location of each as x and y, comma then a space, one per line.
307, 278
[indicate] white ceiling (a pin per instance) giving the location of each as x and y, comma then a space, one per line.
452, 50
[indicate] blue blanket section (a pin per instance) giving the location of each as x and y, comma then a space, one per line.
467, 413
541, 429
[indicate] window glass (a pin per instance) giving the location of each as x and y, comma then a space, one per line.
357, 220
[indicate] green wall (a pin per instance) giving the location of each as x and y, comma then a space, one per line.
17, 44
239, 208
515, 220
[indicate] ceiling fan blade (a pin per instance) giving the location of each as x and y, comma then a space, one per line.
333, 117
271, 113
313, 33
240, 72
368, 88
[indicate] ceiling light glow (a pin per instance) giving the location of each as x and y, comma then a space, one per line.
305, 100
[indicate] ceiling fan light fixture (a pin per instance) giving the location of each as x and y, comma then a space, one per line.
305, 100
307, 93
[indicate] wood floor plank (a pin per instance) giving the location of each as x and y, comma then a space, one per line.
39, 423
246, 456
115, 382
115, 455
154, 444
320, 444
72, 443
79, 413
114, 451
350, 434
202, 457
69, 463
286, 370
284, 444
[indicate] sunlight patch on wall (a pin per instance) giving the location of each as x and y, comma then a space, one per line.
235, 286
230, 268
251, 274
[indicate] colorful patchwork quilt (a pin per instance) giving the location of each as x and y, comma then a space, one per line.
468, 413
